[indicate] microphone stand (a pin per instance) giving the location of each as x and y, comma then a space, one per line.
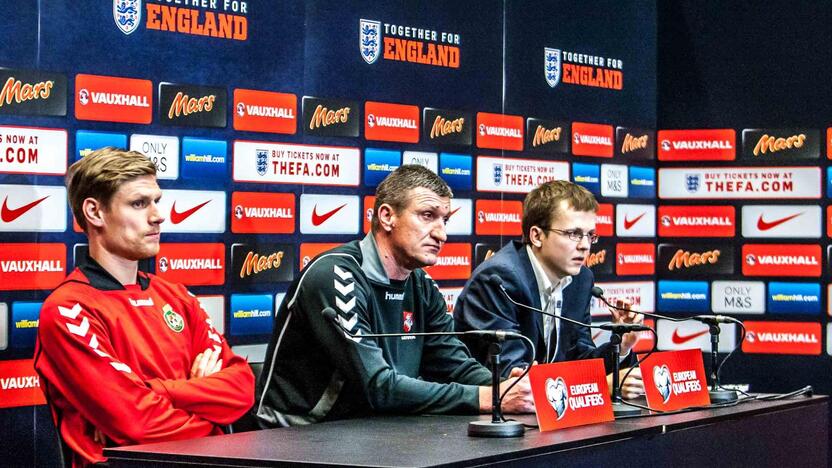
717, 395
496, 427
619, 409
616, 331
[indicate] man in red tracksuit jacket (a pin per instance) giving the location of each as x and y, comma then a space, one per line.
126, 357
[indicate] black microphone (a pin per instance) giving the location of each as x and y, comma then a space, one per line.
495, 281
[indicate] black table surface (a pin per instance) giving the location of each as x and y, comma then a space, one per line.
429, 440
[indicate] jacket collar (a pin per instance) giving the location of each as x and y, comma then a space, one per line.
101, 279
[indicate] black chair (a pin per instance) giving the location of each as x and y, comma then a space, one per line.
248, 422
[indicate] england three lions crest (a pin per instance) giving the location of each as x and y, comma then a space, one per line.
127, 15
369, 41
551, 66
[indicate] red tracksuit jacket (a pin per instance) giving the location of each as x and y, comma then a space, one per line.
118, 358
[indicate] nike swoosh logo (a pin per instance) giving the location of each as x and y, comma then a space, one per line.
8, 215
454, 211
682, 339
318, 219
177, 217
766, 225
628, 223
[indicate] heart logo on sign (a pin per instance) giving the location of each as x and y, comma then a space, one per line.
661, 378
557, 395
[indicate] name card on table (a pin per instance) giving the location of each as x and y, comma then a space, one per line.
570, 394
675, 380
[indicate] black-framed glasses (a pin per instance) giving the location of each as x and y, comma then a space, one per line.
576, 236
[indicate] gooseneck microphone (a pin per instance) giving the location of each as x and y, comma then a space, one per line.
620, 409
495, 281
717, 394
598, 293
498, 426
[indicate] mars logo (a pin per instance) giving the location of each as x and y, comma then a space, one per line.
557, 395
192, 105
551, 66
32, 92
661, 379
407, 321
369, 40
127, 14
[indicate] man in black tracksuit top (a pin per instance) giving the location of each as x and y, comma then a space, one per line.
314, 371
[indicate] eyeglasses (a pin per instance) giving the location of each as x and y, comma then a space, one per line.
577, 235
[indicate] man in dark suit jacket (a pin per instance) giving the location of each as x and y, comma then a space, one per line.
545, 271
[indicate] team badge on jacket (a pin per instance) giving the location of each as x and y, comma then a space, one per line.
174, 320
407, 322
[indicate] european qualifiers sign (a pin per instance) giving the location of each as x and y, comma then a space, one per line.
547, 136
31, 92
262, 263
192, 106
446, 127
689, 260
635, 143
766, 145
330, 117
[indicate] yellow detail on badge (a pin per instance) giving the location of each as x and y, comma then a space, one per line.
174, 320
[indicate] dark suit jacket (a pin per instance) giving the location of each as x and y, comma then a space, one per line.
482, 306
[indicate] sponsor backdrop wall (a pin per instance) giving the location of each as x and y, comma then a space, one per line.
751, 79
271, 123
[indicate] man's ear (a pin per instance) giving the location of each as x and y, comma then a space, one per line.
92, 210
536, 236
386, 217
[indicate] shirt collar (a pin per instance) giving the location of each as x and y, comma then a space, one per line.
544, 284
371, 262
101, 279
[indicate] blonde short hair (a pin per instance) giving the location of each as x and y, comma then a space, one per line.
100, 174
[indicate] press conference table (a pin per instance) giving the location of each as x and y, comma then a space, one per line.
784, 433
